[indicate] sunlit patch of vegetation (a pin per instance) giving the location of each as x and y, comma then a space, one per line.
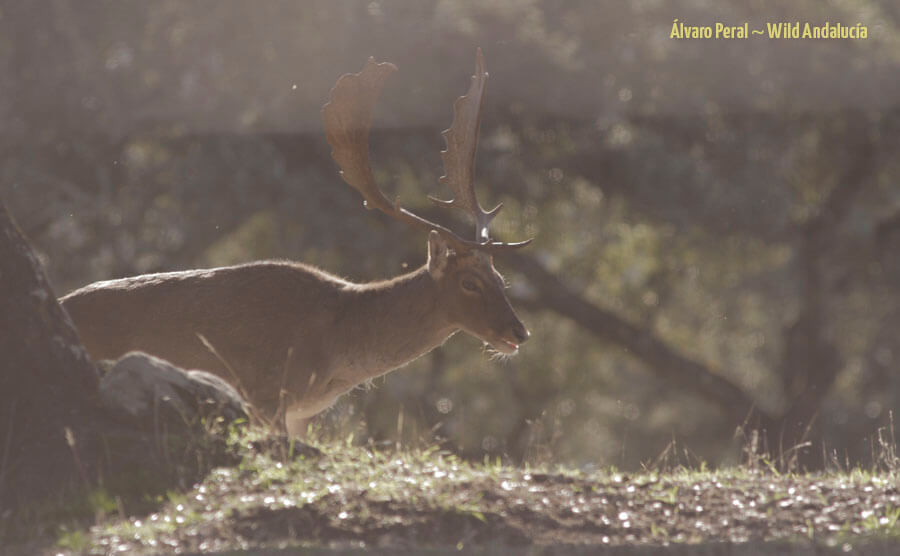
337, 494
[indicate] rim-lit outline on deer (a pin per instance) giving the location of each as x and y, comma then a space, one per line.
297, 337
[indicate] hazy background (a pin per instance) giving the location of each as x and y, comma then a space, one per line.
717, 222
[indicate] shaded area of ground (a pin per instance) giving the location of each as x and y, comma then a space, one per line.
352, 498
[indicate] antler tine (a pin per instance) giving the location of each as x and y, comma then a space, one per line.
459, 156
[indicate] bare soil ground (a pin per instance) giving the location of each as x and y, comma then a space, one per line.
354, 499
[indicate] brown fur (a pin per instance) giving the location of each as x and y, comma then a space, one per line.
284, 325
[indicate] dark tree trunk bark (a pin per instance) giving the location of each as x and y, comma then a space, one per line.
811, 361
809, 368
48, 385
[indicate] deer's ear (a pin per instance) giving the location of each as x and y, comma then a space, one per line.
438, 254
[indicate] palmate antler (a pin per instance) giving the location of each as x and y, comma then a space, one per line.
459, 157
348, 117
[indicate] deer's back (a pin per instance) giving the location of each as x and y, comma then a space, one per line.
251, 314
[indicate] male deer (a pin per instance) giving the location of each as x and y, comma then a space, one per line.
297, 337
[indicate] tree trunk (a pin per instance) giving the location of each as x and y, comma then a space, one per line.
48, 385
811, 361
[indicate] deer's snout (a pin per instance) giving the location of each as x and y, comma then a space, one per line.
520, 333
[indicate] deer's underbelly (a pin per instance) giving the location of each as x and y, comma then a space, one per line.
317, 400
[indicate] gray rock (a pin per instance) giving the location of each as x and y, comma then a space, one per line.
151, 390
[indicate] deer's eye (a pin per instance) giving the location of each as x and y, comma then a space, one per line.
470, 285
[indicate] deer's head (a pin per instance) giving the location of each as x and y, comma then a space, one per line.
473, 295
471, 288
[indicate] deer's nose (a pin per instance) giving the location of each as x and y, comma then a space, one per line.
520, 332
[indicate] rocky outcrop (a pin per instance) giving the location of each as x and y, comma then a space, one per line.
150, 391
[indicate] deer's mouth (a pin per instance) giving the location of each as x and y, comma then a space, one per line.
504, 346
497, 342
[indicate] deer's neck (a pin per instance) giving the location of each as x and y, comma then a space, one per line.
393, 323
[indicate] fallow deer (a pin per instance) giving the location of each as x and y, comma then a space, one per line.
293, 336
